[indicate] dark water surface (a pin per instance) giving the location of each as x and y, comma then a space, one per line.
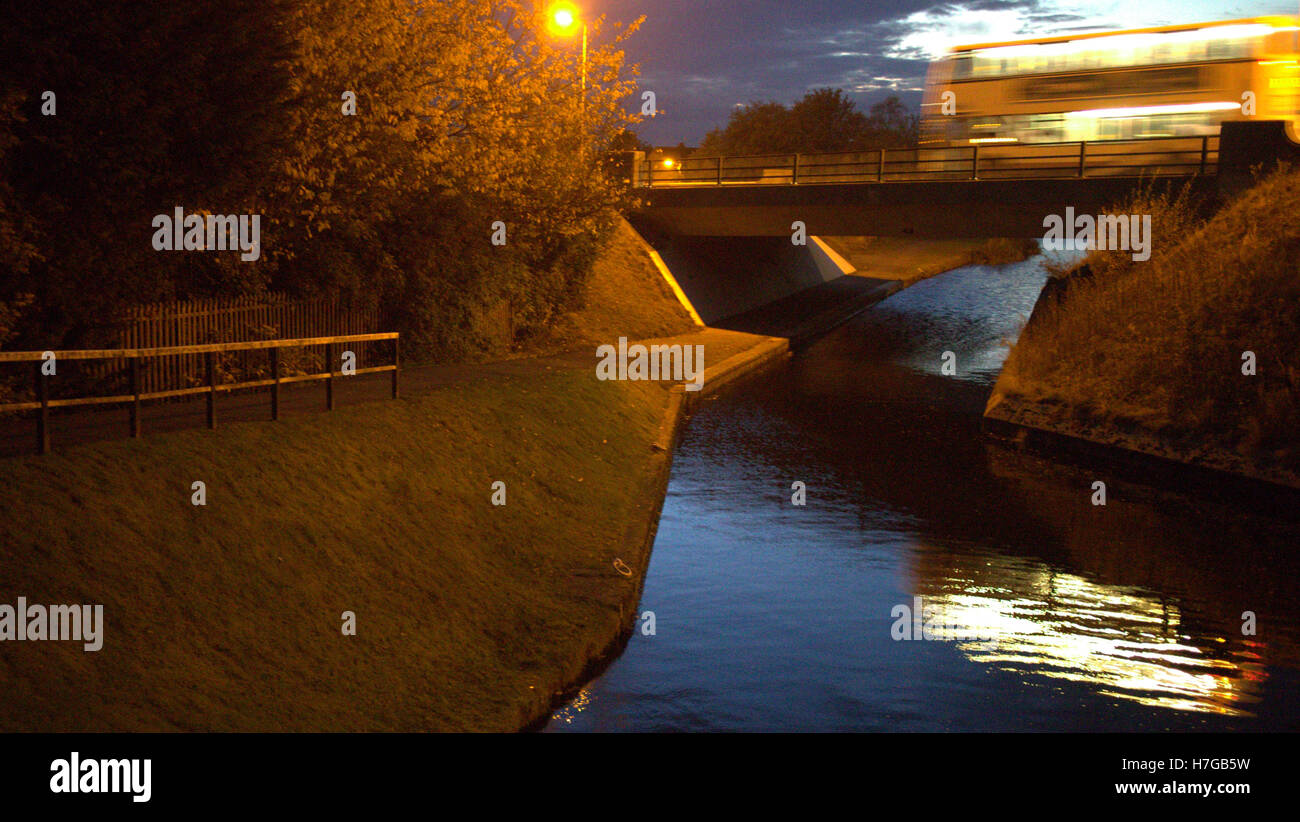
1068, 616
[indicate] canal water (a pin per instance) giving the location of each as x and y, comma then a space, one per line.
1048, 613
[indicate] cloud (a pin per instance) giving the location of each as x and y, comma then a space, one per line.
701, 58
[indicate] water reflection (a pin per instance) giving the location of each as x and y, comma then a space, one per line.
576, 705
1034, 620
771, 617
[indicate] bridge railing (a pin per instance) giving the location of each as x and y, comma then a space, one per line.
1177, 156
40, 361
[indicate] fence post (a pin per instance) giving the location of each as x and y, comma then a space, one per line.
396, 365
210, 363
329, 381
880, 167
42, 416
135, 397
1205, 151
794, 173
975, 162
650, 174
719, 171
1083, 156
275, 386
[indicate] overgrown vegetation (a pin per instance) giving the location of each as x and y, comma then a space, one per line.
468, 112
1158, 346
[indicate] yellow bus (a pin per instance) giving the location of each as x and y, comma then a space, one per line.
1169, 81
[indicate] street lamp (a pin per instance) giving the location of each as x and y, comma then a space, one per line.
564, 19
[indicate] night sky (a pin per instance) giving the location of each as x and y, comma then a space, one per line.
702, 57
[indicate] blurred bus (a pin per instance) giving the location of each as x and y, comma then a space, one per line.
1170, 81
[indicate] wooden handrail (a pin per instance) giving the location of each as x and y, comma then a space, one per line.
43, 403
127, 353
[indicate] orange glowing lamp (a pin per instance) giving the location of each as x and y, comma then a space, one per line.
562, 19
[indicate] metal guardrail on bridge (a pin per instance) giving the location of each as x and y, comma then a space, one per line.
1163, 156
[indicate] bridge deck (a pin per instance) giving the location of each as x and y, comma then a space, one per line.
930, 208
1156, 156
994, 190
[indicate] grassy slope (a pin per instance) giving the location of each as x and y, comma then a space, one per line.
228, 616
626, 297
1153, 351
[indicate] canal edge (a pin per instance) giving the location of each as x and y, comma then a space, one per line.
640, 532
1260, 493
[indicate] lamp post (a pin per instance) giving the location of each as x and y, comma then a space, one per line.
564, 19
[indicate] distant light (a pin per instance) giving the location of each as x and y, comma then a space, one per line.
994, 140
1148, 111
669, 162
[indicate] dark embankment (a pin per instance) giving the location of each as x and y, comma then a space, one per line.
1157, 356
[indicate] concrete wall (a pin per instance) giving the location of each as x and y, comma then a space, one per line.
724, 276
1245, 146
937, 210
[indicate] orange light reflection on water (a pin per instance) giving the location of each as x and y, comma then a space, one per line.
1039, 622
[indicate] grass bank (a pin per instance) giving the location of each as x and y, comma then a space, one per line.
228, 616
1153, 356
626, 296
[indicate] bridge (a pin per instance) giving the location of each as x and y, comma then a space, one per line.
992, 190
723, 225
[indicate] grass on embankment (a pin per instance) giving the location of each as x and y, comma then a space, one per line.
228, 616
625, 297
1154, 350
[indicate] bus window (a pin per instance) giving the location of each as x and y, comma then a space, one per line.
961, 66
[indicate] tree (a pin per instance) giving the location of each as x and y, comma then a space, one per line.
824, 120
155, 106
628, 140
891, 124
758, 128
467, 113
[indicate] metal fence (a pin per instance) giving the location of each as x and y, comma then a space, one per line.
221, 320
1152, 156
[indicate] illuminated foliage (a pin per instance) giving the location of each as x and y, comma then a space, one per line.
467, 112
